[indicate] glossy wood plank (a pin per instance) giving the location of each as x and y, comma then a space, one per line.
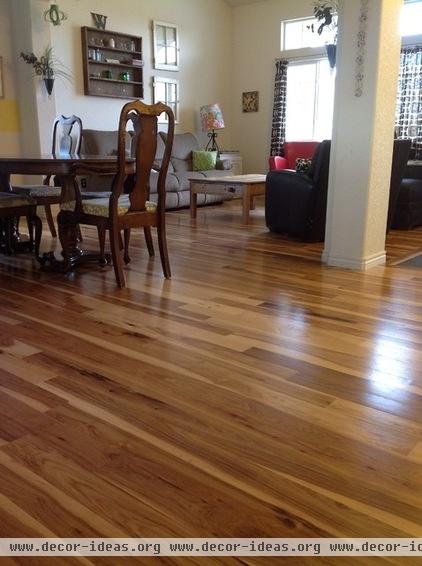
257, 393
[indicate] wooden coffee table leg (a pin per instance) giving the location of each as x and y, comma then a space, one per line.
193, 201
246, 203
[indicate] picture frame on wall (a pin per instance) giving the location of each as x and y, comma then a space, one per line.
250, 101
167, 91
165, 39
1, 78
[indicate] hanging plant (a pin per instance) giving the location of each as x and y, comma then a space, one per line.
46, 66
325, 12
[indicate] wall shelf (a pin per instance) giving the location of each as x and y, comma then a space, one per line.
114, 81
106, 64
115, 49
94, 43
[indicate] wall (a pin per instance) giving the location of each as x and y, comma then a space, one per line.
205, 56
10, 123
256, 46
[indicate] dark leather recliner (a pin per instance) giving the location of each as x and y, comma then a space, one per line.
400, 157
408, 212
296, 203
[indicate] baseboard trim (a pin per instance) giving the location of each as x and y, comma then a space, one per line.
358, 264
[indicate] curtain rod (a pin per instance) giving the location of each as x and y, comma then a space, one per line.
302, 57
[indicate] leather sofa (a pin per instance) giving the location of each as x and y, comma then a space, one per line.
291, 151
99, 142
408, 212
296, 203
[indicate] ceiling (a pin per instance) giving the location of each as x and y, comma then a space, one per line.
240, 2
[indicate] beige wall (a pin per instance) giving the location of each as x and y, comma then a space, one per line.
256, 46
205, 28
360, 166
10, 123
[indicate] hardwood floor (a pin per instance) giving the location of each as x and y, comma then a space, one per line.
256, 394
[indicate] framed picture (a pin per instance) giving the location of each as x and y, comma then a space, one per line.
1, 78
167, 91
166, 46
250, 101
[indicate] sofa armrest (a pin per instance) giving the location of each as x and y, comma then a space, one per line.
289, 197
413, 172
278, 179
224, 164
277, 162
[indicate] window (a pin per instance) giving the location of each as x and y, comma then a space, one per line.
301, 33
167, 91
166, 46
310, 100
411, 18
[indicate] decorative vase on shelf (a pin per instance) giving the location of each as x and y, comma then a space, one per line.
49, 83
331, 54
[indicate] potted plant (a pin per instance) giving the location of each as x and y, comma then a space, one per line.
325, 12
46, 66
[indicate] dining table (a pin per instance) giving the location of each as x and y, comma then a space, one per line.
65, 169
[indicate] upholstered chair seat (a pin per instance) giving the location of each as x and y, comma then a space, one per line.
37, 191
101, 206
8, 200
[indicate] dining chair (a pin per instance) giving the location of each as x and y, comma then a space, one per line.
13, 206
122, 212
66, 140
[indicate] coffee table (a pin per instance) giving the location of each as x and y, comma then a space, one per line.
246, 187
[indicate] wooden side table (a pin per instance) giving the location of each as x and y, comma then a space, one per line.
246, 187
235, 159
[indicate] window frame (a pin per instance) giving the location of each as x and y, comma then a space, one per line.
162, 119
312, 20
315, 59
164, 66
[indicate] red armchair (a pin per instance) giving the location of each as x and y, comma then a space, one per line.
292, 151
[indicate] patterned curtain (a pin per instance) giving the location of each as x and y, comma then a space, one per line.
278, 133
409, 99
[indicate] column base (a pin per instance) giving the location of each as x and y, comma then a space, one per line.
354, 263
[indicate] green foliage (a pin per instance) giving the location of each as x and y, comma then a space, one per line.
46, 65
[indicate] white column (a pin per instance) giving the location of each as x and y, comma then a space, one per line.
38, 110
362, 141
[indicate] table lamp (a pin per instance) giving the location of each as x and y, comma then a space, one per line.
211, 120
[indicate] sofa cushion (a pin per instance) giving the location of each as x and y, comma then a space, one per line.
184, 176
159, 154
171, 185
303, 164
181, 155
204, 160
102, 142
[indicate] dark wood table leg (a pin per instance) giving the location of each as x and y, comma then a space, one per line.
11, 240
68, 228
193, 202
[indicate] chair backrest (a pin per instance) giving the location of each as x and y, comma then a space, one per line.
63, 142
144, 118
298, 149
320, 173
276, 162
401, 151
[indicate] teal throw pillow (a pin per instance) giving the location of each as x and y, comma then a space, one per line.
204, 160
